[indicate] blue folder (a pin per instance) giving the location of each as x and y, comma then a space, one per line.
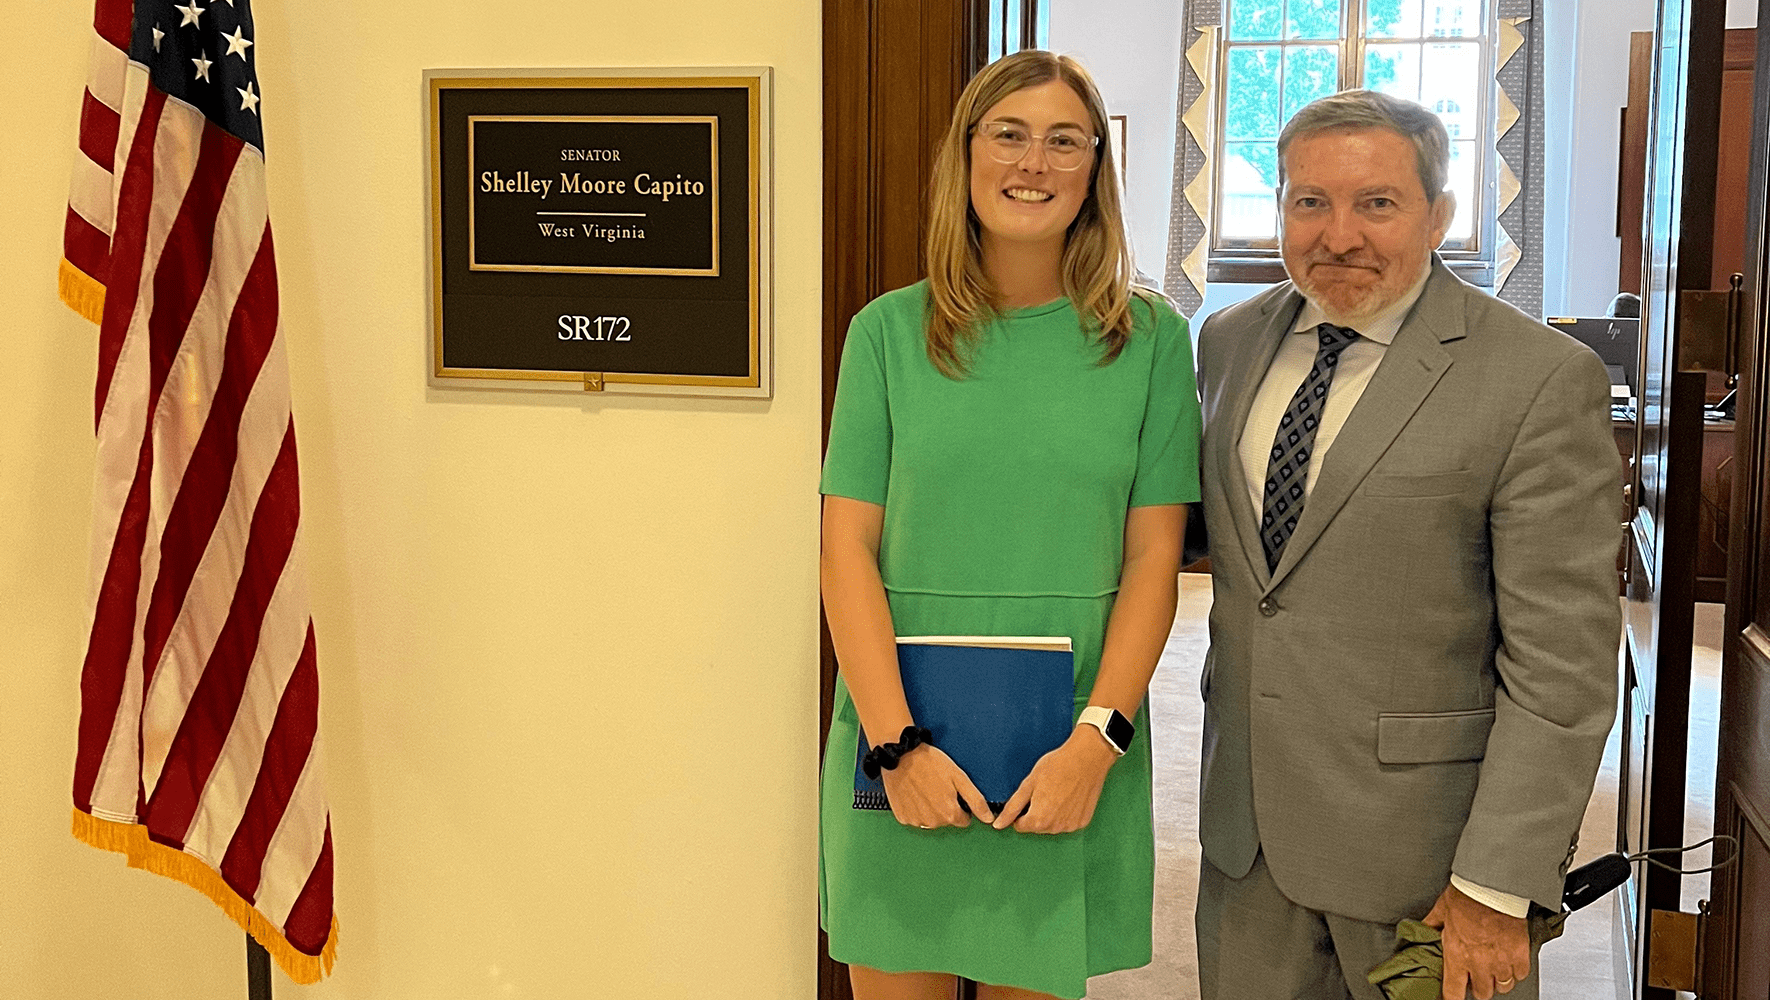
995, 711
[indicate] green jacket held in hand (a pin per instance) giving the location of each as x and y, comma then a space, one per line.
1416, 970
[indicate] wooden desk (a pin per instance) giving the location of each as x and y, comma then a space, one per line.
1717, 491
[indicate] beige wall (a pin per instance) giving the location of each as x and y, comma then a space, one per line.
544, 621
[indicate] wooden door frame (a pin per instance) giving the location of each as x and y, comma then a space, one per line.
893, 70
1745, 658
1662, 573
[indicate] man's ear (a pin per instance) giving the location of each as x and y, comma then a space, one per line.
1444, 209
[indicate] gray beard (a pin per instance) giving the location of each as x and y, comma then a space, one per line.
1376, 300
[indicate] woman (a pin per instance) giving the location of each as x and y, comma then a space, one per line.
1012, 443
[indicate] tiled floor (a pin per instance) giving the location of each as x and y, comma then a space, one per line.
1579, 965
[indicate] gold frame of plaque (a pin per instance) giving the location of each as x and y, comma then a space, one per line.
485, 317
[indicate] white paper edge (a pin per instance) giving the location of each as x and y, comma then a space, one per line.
1059, 643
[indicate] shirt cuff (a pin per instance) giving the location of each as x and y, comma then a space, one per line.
1505, 902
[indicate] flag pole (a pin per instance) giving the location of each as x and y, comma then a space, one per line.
257, 971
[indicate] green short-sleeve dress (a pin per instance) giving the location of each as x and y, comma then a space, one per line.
1005, 496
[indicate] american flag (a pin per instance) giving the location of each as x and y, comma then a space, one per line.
198, 754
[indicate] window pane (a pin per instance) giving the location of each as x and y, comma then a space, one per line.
1251, 97
1250, 172
1449, 84
1310, 71
1255, 20
1393, 69
1313, 19
1454, 18
1393, 18
1463, 158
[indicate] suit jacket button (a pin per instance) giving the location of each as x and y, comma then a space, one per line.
1268, 607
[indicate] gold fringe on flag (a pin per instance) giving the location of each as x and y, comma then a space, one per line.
132, 841
81, 291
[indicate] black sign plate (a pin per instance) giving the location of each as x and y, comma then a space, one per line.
597, 231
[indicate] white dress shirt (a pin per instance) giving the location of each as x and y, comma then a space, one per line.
1358, 362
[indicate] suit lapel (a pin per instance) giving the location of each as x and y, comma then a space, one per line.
1242, 382
1411, 367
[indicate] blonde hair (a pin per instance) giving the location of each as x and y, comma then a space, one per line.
1096, 268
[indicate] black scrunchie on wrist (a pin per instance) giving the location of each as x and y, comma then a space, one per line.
886, 755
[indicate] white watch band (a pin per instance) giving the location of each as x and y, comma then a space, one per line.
1098, 716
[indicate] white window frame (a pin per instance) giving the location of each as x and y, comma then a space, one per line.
1258, 260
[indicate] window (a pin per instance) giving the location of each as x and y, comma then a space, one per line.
1278, 55
1012, 25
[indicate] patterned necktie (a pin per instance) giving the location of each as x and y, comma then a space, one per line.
1287, 468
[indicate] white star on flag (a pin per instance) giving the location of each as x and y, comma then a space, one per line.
191, 13
202, 63
237, 43
158, 34
248, 99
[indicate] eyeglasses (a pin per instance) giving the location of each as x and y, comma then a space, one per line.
1006, 142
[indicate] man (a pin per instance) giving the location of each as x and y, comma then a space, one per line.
1413, 493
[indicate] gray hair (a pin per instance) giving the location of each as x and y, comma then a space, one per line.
1362, 109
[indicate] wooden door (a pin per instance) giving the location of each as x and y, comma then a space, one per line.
1737, 934
1733, 154
893, 70
1677, 239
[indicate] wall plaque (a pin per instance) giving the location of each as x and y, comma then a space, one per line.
603, 230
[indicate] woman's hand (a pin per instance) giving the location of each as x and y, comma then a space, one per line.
925, 788
1060, 794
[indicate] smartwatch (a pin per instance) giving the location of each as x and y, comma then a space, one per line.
1112, 724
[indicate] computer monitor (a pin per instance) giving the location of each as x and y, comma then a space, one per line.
1614, 339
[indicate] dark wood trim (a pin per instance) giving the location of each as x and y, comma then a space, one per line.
1029, 23
1622, 164
1760, 825
1663, 558
977, 30
1707, 42
1740, 785
1631, 188
1755, 646
1742, 773
1741, 49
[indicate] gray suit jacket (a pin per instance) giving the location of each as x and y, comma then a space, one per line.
1426, 681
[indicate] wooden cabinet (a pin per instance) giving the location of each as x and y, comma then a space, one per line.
1712, 522
1712, 519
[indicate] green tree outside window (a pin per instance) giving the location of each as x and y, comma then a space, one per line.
1282, 54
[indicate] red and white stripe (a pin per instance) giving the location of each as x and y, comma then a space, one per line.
86, 236
200, 692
